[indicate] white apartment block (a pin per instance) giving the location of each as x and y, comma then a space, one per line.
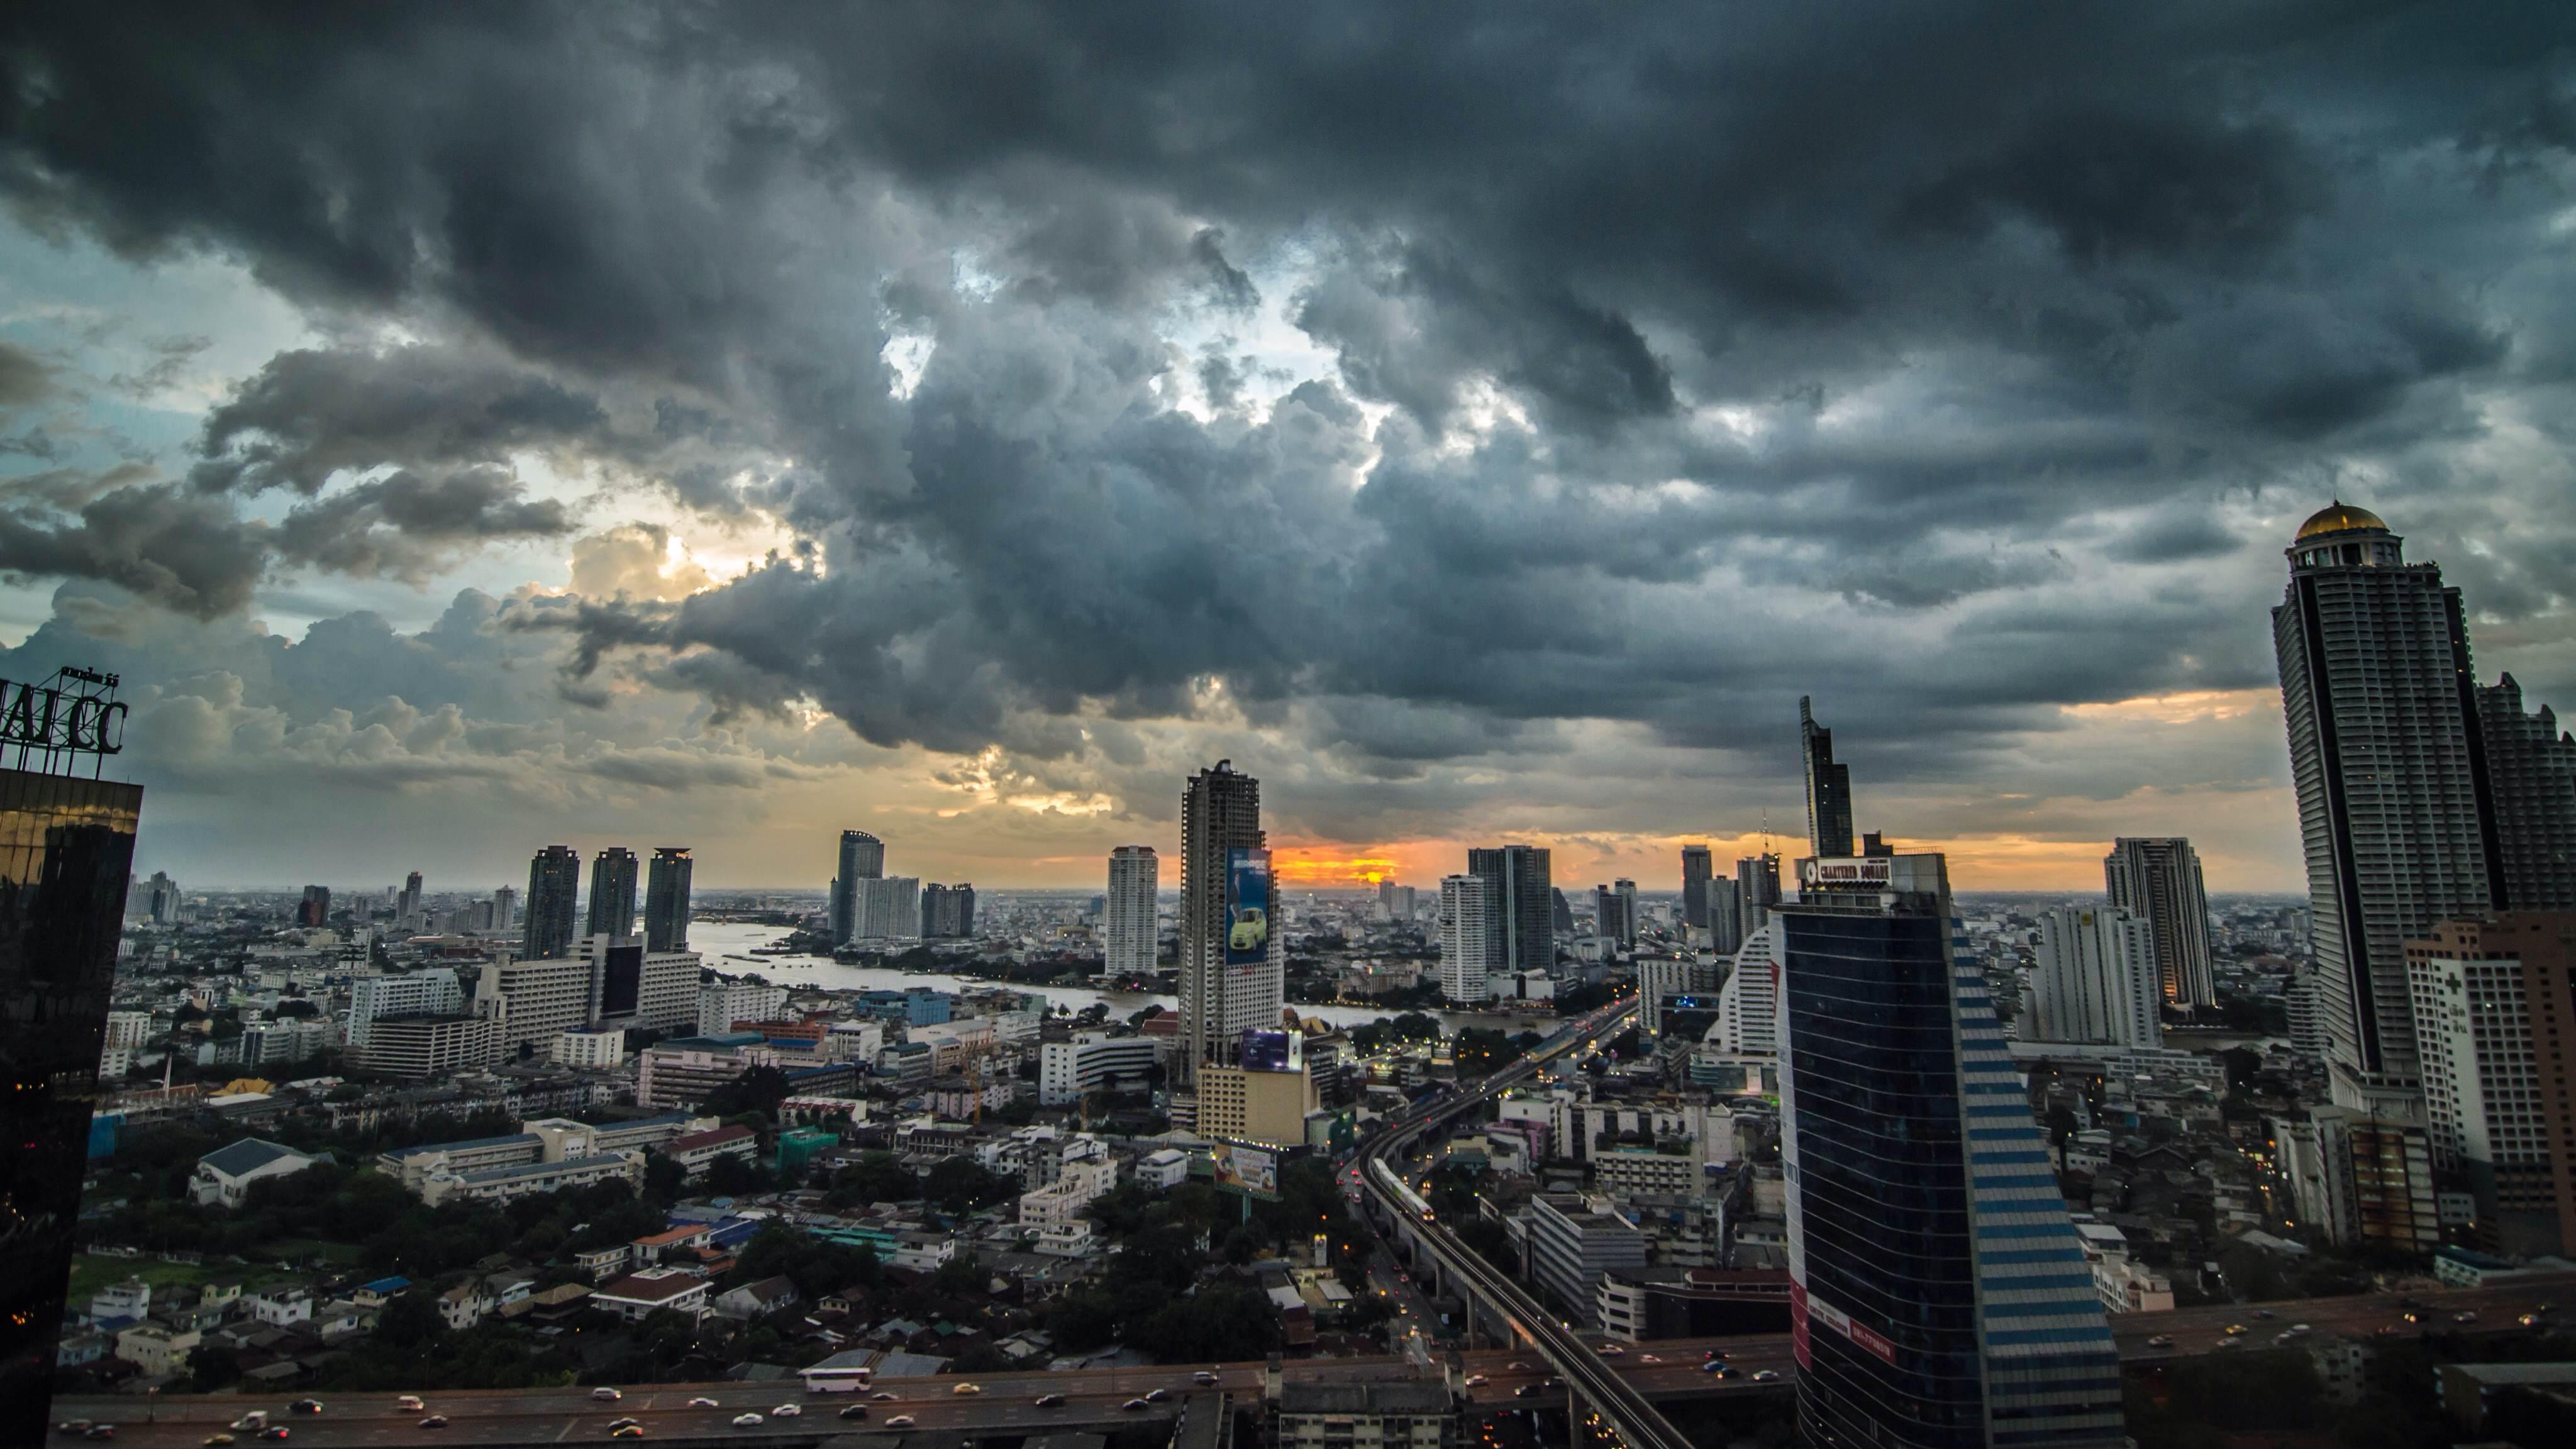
845, 1041
2096, 979
1630, 1172
533, 1002
1091, 1061
1130, 928
1748, 1001
128, 1030
1470, 920
591, 1048
434, 991
1062, 1201
888, 909
722, 1003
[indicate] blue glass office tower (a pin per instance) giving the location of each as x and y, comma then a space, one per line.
1939, 1295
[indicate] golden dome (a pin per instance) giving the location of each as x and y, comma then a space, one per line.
2339, 517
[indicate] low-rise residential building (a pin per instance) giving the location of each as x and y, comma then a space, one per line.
280, 1307
1627, 1172
675, 1290
1164, 1168
754, 1300
593, 1048
131, 1298
682, 1071
464, 1305
603, 1263
157, 1349
697, 1151
1076, 1187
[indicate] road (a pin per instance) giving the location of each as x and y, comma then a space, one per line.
1553, 1343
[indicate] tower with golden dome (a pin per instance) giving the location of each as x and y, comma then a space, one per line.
2378, 696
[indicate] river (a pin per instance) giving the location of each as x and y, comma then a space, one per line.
726, 945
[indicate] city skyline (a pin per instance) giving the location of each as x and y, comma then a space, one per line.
760, 478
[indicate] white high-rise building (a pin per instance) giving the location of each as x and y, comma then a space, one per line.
431, 992
888, 909
722, 1003
2491, 1022
533, 1002
1130, 934
1469, 917
1662, 978
2096, 980
1748, 1001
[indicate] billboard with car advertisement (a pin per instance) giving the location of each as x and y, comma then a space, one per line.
1247, 905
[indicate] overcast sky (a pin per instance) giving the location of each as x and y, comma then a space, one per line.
470, 428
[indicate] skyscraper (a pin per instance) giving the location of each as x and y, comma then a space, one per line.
1757, 890
2389, 761
1939, 1296
2095, 981
1829, 803
947, 912
1129, 928
407, 905
66, 846
2158, 881
1697, 870
1232, 973
554, 881
666, 899
2495, 1020
886, 908
2532, 770
862, 857
612, 893
315, 908
1626, 891
1469, 912
1725, 933
1527, 941
505, 908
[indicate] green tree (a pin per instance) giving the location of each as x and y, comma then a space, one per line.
957, 1185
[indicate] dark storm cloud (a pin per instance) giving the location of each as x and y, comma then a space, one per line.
187, 553
1681, 360
24, 377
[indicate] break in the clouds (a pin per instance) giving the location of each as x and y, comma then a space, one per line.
1475, 420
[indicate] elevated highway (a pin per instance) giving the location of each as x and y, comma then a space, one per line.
1590, 1381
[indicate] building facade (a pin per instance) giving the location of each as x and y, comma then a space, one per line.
862, 857
1829, 801
2385, 749
554, 884
432, 991
1698, 869
1222, 994
666, 899
1526, 913
1130, 930
1939, 1294
2159, 882
2095, 979
1470, 915
2531, 768
2495, 1019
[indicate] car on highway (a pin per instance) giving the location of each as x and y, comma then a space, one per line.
2262, 1312
622, 1423
1529, 1391
275, 1432
2529, 1320
748, 1420
2385, 1330
962, 1389
1203, 1376
1135, 1404
305, 1406
434, 1421
1766, 1376
2161, 1340
255, 1419
2235, 1330
1158, 1396
1474, 1381
1650, 1358
631, 1431
703, 1402
99, 1432
787, 1411
2231, 1343
2465, 1315
606, 1395
409, 1403
216, 1440
900, 1421
1050, 1401
1610, 1350
883, 1396
855, 1411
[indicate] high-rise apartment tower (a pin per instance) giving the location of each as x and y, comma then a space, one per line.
1527, 940
2158, 881
666, 899
1232, 972
1129, 928
862, 857
612, 893
554, 884
1829, 802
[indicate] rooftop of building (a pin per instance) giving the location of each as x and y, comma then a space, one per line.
654, 1285
2340, 517
248, 1155
718, 1137
523, 1139
487, 1175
